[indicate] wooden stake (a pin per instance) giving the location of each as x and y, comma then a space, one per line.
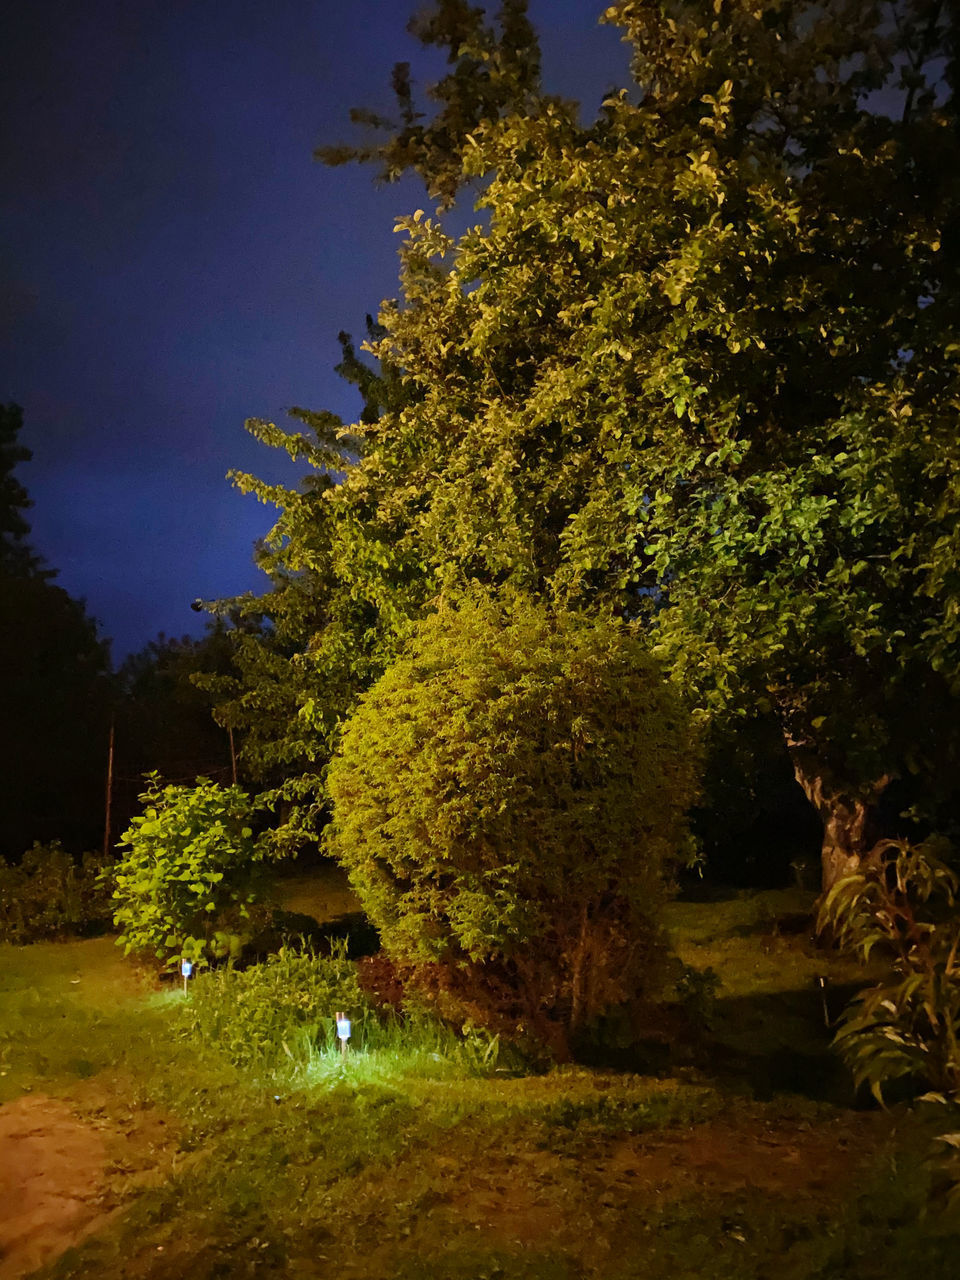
109, 800
233, 754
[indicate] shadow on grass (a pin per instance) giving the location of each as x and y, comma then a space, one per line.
759, 1046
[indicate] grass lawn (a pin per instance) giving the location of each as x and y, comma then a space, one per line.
743, 1159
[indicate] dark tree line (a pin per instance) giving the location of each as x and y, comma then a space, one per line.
60, 696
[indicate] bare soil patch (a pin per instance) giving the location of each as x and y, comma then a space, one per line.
62, 1176
51, 1180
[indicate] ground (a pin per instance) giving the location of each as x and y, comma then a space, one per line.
128, 1151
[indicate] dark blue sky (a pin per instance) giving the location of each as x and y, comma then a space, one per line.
172, 261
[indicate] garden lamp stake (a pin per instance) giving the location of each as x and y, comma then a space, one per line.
343, 1032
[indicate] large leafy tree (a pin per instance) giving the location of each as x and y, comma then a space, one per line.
698, 364
335, 612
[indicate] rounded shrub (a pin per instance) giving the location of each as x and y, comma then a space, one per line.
185, 885
509, 800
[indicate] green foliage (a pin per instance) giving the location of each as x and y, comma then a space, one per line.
493, 71
697, 992
509, 800
189, 875
270, 1015
902, 905
697, 362
279, 1018
50, 894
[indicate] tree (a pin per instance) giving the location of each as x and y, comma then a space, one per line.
16, 556
166, 719
698, 366
56, 686
335, 614
509, 800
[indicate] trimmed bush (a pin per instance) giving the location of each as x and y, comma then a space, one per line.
509, 801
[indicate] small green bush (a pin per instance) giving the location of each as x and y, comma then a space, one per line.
278, 1018
51, 894
697, 995
191, 872
274, 1013
509, 801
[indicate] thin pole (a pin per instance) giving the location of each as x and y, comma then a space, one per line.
233, 754
109, 800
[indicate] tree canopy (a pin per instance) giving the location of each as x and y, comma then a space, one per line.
697, 364
16, 555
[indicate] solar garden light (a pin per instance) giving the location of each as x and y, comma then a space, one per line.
186, 968
343, 1032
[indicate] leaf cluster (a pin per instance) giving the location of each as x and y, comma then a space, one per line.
50, 894
188, 874
494, 70
902, 905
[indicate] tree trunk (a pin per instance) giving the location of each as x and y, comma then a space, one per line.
848, 830
578, 976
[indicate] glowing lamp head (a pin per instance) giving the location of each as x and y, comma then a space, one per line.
343, 1028
186, 967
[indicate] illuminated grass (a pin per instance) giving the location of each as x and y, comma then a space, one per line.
422, 1156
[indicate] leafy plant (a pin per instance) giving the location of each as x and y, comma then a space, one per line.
51, 894
272, 1013
697, 993
509, 800
904, 904
190, 874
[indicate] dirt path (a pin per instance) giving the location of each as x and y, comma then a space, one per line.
63, 1176
52, 1179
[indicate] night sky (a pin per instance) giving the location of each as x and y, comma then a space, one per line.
173, 261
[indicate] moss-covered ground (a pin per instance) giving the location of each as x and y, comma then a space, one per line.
741, 1156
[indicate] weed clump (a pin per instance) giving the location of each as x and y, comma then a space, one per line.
277, 1012
277, 1020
